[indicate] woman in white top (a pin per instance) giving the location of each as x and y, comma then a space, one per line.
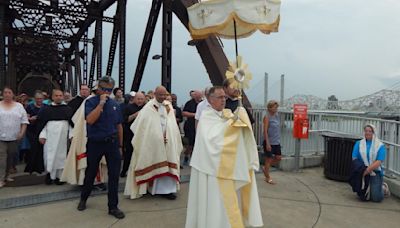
13, 122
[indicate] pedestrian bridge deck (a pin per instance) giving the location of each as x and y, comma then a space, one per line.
305, 199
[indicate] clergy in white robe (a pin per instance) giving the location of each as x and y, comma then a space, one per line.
157, 146
222, 190
55, 130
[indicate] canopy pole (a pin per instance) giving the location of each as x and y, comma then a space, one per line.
237, 66
236, 45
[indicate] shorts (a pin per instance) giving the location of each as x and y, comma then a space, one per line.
275, 150
191, 136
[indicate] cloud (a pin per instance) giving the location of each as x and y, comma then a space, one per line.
323, 47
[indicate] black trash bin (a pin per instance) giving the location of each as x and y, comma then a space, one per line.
337, 160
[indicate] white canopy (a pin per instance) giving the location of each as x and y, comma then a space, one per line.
215, 17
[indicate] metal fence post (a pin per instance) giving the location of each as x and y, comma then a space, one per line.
297, 155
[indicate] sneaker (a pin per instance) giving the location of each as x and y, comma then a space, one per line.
58, 182
100, 187
171, 196
117, 213
386, 191
48, 180
81, 205
2, 183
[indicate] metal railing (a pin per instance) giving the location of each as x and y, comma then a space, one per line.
388, 133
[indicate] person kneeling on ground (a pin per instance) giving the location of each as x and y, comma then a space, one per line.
368, 156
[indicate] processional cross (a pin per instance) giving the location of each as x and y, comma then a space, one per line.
203, 14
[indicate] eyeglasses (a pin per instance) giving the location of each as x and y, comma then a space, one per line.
108, 90
220, 97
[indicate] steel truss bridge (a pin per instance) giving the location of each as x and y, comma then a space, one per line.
46, 43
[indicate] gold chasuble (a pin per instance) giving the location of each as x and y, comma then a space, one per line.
223, 191
152, 158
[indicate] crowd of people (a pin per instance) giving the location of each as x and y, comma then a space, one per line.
82, 140
35, 115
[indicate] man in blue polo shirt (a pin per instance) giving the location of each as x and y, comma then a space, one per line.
104, 133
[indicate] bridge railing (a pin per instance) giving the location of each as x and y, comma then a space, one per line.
388, 133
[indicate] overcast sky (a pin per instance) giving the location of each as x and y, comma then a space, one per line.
324, 47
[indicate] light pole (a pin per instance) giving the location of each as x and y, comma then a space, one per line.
166, 42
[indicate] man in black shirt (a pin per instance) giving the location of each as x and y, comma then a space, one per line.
130, 113
232, 100
75, 103
189, 111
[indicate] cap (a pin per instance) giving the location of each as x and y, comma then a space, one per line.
95, 87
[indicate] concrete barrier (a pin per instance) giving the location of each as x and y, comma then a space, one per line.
394, 186
306, 161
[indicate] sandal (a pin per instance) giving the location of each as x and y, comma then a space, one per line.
9, 179
386, 191
270, 181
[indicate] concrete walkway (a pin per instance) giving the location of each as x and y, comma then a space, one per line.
303, 199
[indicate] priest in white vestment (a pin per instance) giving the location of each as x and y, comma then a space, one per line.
223, 191
157, 146
55, 130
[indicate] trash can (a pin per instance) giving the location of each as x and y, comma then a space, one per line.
337, 159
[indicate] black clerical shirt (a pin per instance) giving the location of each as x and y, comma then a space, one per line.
54, 112
129, 110
190, 106
75, 103
233, 104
